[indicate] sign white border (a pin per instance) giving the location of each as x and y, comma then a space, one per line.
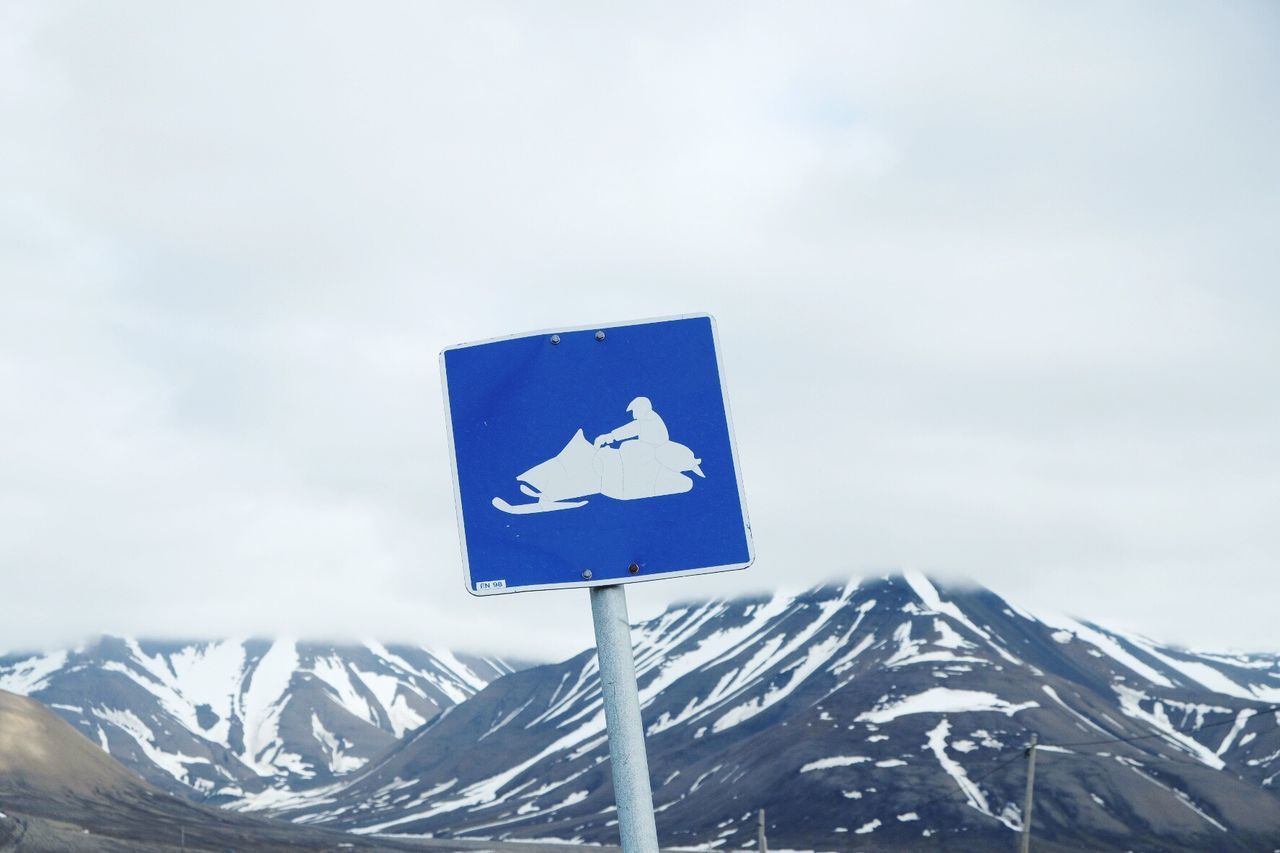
503, 589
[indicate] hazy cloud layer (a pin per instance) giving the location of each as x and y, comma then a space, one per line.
996, 285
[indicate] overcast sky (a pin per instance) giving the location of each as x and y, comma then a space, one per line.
996, 287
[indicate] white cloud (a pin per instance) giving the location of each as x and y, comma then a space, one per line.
1005, 269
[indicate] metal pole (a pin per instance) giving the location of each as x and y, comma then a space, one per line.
631, 788
764, 845
1025, 845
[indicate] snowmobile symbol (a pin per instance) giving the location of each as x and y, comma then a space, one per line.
645, 464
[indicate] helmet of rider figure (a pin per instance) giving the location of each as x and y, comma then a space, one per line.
639, 407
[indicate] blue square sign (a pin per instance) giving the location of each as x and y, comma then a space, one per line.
594, 456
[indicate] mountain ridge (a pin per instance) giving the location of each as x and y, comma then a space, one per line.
220, 720
883, 713
872, 711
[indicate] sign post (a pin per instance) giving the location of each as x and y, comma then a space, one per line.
631, 789
647, 487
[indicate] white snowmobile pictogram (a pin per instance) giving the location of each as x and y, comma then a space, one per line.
645, 464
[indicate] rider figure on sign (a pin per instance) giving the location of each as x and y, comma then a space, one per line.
648, 426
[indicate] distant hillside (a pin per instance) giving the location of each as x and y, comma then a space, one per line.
887, 715
224, 720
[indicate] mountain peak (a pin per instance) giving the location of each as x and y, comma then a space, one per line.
884, 706
895, 707
224, 719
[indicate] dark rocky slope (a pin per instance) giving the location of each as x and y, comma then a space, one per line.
880, 716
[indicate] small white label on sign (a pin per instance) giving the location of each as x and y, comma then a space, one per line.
491, 584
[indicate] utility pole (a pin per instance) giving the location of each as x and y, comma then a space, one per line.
1025, 846
764, 845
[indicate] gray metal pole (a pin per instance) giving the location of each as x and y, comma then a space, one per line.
631, 788
1025, 845
764, 844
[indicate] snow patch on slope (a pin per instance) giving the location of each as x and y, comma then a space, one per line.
1157, 719
1206, 675
1107, 645
932, 600
943, 700
834, 761
339, 761
30, 675
938, 744
126, 721
261, 706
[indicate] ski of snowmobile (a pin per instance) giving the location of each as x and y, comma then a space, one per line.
540, 506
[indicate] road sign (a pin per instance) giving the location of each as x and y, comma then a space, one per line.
594, 456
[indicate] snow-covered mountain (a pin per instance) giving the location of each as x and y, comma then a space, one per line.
60, 792
886, 715
228, 720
